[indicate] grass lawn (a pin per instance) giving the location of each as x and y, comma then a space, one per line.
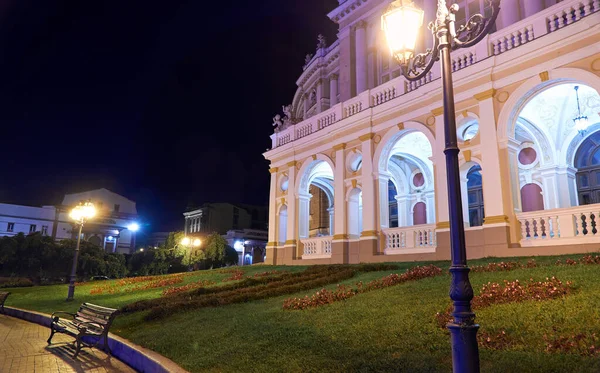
391, 329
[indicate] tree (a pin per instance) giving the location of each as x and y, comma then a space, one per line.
231, 256
215, 250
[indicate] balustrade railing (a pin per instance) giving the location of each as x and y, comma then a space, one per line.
317, 247
560, 226
525, 31
410, 240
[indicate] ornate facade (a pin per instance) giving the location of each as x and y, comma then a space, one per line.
372, 142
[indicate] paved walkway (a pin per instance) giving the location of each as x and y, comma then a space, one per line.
23, 349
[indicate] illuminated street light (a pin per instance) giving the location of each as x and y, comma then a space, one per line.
134, 227
197, 242
401, 23
185, 241
80, 214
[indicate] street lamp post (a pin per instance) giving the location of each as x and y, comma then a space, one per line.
187, 242
80, 213
401, 22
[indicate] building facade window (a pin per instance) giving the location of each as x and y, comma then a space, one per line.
10, 227
44, 230
32, 228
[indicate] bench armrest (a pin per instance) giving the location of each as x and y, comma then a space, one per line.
55, 317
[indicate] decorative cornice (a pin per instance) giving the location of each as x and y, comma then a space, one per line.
485, 94
438, 111
442, 225
341, 146
292, 164
345, 9
495, 219
341, 236
367, 136
369, 234
544, 76
273, 170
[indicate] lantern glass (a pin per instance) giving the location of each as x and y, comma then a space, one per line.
401, 24
581, 123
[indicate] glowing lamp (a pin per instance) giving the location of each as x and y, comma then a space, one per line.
401, 23
197, 242
185, 241
238, 245
133, 227
83, 211
109, 238
581, 121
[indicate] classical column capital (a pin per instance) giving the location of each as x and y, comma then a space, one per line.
333, 77
362, 24
341, 146
438, 111
485, 94
292, 164
273, 170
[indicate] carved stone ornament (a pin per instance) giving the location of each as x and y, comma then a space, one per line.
307, 58
281, 123
321, 42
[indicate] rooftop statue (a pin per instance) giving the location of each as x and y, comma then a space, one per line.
322, 43
307, 59
280, 123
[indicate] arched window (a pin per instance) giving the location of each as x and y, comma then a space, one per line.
587, 162
475, 196
420, 213
393, 205
282, 224
531, 198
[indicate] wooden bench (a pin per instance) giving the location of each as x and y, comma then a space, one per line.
3, 296
90, 321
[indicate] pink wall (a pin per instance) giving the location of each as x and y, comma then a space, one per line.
420, 214
531, 198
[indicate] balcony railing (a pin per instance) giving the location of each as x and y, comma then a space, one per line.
410, 240
317, 247
525, 31
574, 225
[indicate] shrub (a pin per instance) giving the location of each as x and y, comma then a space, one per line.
15, 282
179, 289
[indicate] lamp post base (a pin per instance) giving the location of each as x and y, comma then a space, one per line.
465, 351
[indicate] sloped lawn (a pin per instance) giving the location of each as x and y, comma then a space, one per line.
389, 329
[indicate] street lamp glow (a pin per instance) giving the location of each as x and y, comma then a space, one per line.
401, 23
133, 227
197, 242
83, 211
185, 241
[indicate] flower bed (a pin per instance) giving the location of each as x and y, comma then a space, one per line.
14, 282
343, 292
251, 288
139, 284
191, 286
586, 344
512, 291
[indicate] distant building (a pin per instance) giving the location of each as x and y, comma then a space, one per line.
249, 243
222, 217
109, 229
156, 239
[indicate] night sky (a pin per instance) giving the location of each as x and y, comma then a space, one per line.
165, 102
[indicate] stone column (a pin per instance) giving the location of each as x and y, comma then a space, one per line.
402, 202
339, 195
430, 203
370, 234
533, 6
384, 212
361, 56
291, 243
303, 214
493, 197
273, 223
306, 106
509, 13
319, 95
331, 212
372, 68
439, 171
333, 90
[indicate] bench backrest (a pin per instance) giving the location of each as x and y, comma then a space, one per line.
3, 296
92, 313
